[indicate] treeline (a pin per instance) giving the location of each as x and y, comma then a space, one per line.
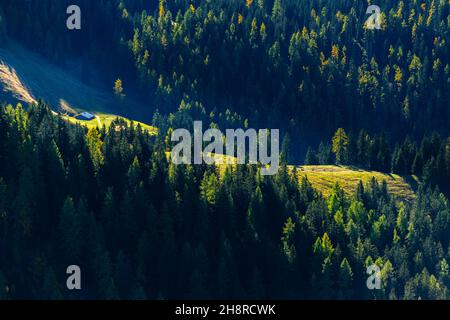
430, 159
140, 227
362, 150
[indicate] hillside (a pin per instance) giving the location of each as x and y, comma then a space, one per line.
359, 92
26, 76
323, 178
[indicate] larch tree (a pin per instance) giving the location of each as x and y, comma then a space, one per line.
340, 146
118, 88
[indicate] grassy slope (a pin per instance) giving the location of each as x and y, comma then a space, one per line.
24, 76
106, 119
323, 179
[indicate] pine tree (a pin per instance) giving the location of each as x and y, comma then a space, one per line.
288, 239
256, 215
122, 274
118, 88
337, 200
325, 156
340, 146
277, 12
257, 288
345, 278
223, 279
70, 231
25, 203
105, 286
51, 288
311, 157
95, 145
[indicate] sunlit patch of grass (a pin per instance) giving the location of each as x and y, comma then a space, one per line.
105, 120
13, 84
323, 178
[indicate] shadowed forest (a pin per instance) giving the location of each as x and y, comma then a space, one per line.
364, 179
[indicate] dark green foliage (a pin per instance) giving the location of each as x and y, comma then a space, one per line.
430, 161
158, 233
309, 67
307, 63
311, 158
140, 227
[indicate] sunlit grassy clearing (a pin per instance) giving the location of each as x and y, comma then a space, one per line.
323, 178
106, 120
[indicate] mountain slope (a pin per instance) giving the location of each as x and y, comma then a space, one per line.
26, 76
323, 178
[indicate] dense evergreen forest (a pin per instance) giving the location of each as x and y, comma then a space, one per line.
308, 67
307, 63
141, 227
